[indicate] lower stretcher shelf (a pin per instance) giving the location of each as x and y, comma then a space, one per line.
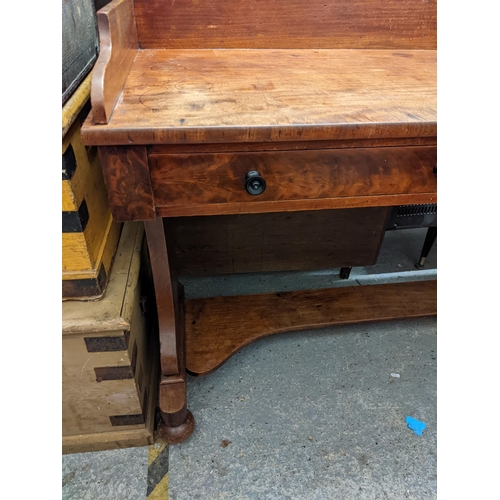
217, 327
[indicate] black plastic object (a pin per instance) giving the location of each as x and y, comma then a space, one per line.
254, 183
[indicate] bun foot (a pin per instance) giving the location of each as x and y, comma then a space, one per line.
176, 435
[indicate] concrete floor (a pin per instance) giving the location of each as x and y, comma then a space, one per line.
305, 415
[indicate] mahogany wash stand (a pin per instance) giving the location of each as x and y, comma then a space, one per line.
275, 131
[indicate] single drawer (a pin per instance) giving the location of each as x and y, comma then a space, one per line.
204, 183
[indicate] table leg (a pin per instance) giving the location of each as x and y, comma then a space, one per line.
177, 421
430, 238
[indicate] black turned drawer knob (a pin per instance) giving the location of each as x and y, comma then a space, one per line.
254, 183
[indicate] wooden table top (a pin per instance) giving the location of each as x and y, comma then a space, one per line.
182, 96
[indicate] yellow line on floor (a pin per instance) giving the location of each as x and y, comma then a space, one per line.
154, 451
161, 490
158, 471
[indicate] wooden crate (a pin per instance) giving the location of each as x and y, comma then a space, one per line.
110, 357
89, 234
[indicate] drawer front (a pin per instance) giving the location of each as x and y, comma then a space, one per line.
219, 178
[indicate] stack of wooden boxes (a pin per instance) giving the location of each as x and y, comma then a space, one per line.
109, 343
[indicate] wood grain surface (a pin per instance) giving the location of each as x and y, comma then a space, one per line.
118, 48
189, 180
109, 314
216, 328
224, 96
91, 283
83, 254
90, 407
166, 149
115, 439
75, 104
275, 242
83, 396
167, 302
368, 24
86, 178
297, 205
126, 175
